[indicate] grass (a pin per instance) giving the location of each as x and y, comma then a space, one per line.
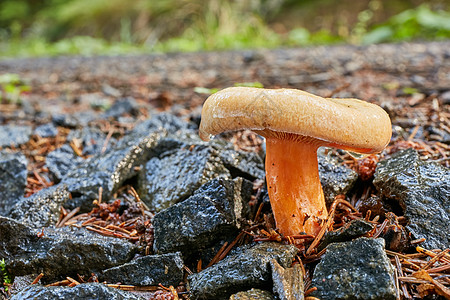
11, 87
4, 275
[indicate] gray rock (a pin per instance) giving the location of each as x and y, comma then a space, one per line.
41, 209
248, 165
163, 121
165, 269
109, 170
91, 140
287, 282
253, 294
213, 213
84, 291
335, 178
246, 267
14, 135
350, 231
423, 191
46, 130
358, 269
121, 107
110, 91
62, 161
13, 179
77, 119
59, 252
172, 178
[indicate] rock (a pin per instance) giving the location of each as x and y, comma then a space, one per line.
335, 178
248, 165
109, 170
59, 252
438, 134
46, 130
358, 269
446, 97
253, 294
91, 140
15, 135
81, 291
163, 121
423, 191
62, 161
165, 269
41, 209
214, 212
13, 179
172, 178
110, 91
121, 107
287, 282
77, 119
175, 154
245, 267
352, 230
20, 283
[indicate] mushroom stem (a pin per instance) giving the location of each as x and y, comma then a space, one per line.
294, 186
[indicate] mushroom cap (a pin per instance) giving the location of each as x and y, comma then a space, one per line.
348, 124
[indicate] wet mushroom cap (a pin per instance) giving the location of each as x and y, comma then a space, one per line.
348, 124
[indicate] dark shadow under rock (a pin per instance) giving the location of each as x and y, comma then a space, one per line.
214, 212
245, 267
423, 191
84, 291
14, 135
358, 269
13, 179
165, 269
59, 252
41, 209
336, 179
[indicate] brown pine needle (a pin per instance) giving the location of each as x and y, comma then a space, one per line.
436, 258
36, 280
216, 257
68, 216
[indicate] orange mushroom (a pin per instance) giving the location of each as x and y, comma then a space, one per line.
295, 124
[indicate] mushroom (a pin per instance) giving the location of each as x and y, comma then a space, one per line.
295, 124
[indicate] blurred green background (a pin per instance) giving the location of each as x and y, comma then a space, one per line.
109, 27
